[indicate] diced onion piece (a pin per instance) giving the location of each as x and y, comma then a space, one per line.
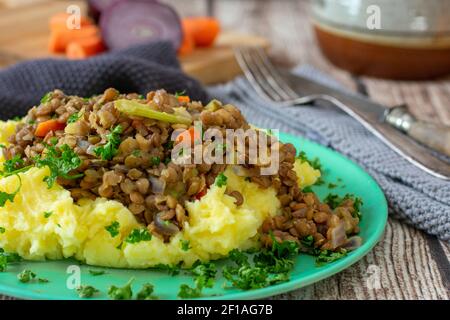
353, 243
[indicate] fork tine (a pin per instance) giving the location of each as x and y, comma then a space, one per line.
253, 74
274, 77
267, 74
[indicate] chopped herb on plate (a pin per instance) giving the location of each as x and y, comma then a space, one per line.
110, 149
86, 291
113, 228
138, 235
121, 293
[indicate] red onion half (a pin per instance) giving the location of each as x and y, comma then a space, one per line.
101, 5
128, 23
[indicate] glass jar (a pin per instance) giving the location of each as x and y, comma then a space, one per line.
397, 39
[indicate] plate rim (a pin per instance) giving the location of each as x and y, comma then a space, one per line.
285, 287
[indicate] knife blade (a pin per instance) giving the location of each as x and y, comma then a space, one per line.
373, 117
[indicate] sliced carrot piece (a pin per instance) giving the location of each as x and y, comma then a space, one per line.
50, 125
187, 46
201, 194
60, 38
183, 99
59, 21
203, 29
191, 134
83, 48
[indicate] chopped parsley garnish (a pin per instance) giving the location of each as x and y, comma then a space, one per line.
308, 241
43, 280
113, 229
110, 149
204, 275
26, 276
136, 153
74, 117
97, 272
85, 291
168, 145
47, 97
270, 266
123, 293
315, 163
319, 182
6, 257
47, 214
327, 256
173, 270
155, 161
12, 164
5, 196
302, 156
61, 161
180, 93
185, 245
334, 201
167, 161
138, 235
332, 185
146, 292
2, 230
221, 180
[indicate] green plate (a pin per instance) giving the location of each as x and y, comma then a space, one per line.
337, 169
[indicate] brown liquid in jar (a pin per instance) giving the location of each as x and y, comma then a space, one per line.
372, 58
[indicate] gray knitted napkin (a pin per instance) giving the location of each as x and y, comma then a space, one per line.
413, 195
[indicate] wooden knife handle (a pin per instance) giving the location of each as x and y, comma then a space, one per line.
432, 135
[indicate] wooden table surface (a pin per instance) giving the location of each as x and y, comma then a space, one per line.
407, 263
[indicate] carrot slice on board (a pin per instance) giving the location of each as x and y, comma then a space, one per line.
59, 21
203, 29
83, 48
187, 45
60, 38
50, 125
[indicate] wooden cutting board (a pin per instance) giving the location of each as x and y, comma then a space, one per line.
25, 35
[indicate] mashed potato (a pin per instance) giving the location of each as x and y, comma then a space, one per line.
215, 225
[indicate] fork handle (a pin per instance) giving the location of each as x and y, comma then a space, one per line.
433, 135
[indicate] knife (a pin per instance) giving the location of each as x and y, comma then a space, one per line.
396, 127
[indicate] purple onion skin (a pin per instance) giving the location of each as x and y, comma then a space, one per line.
128, 23
96, 7
101, 5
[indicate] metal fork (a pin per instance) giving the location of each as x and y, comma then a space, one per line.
266, 81
276, 87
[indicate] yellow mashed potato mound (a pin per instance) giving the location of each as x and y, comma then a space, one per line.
215, 225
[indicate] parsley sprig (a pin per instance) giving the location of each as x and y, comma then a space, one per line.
86, 291
5, 196
6, 258
61, 161
138, 235
110, 149
204, 275
270, 266
221, 180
